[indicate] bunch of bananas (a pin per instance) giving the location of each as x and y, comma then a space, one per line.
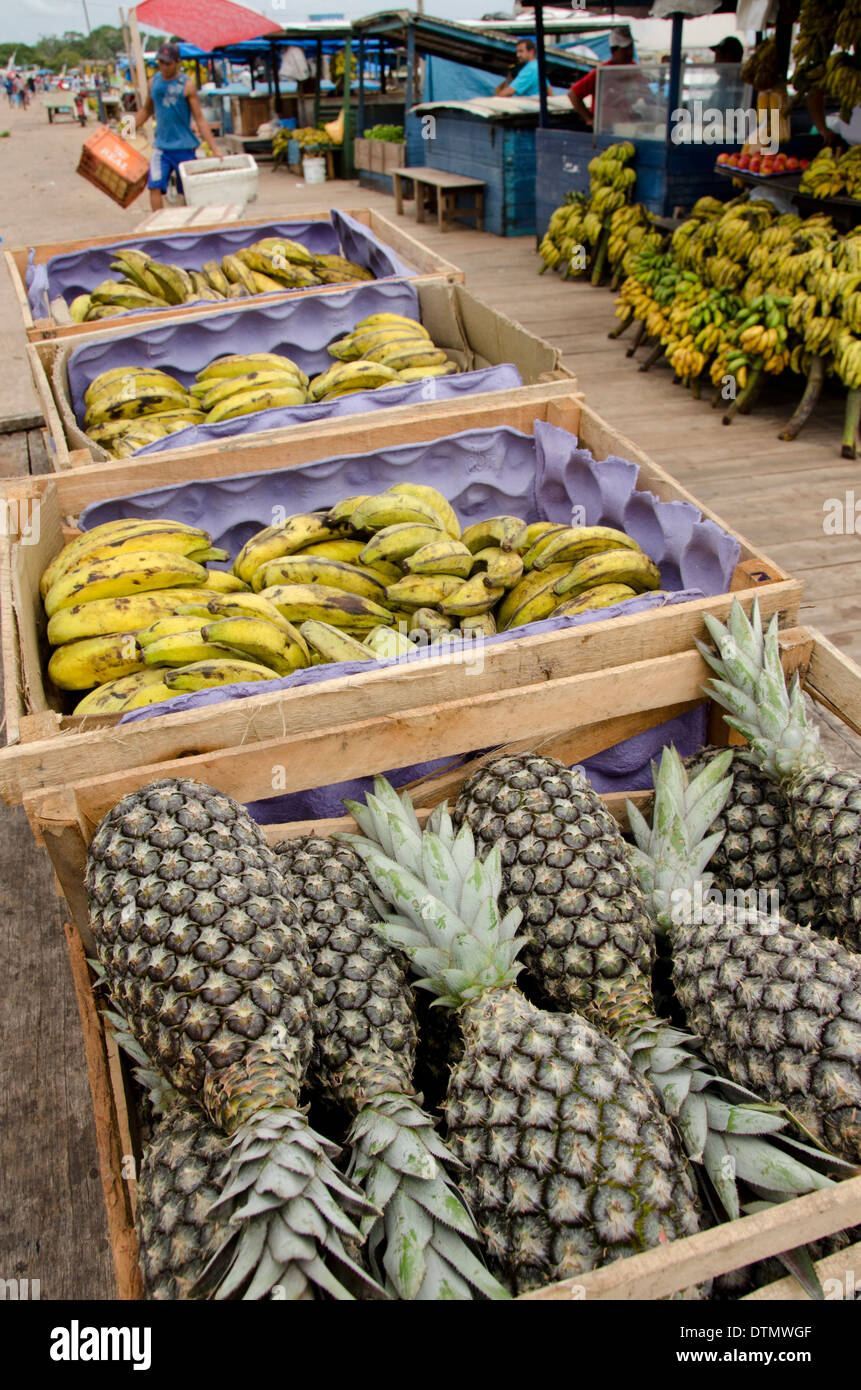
382, 350
306, 137
827, 176
127, 408
244, 383
760, 68
583, 222
843, 79
817, 28
271, 264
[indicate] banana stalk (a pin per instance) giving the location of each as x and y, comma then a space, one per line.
805, 407
737, 406
849, 448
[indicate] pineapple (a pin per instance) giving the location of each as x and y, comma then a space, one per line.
565, 868
758, 850
715, 1117
823, 803
777, 1007
205, 959
364, 1057
569, 1161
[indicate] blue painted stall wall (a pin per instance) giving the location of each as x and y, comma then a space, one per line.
445, 81
501, 154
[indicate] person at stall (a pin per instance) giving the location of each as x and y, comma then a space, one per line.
173, 100
833, 129
621, 54
524, 82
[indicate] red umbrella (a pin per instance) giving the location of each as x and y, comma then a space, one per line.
206, 23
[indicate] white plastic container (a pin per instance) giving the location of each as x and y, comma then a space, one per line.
314, 168
232, 178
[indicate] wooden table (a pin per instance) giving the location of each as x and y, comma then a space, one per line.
447, 187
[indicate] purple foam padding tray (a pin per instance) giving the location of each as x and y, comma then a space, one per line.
483, 473
432, 388
299, 328
78, 272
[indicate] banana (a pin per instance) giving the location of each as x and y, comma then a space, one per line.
441, 505
242, 605
111, 697
298, 602
399, 541
477, 595
344, 548
238, 273
332, 644
223, 582
340, 514
116, 375
184, 648
530, 586
136, 267
391, 509
601, 596
88, 539
485, 623
216, 277
382, 320
178, 540
422, 373
386, 643
610, 567
130, 613
351, 376
535, 530
407, 353
153, 694
506, 532
203, 675
94, 660
134, 571
136, 396
240, 364
304, 528
249, 401
441, 557
265, 284
258, 638
342, 265
429, 620
168, 626
227, 387
202, 287
422, 590
311, 569
575, 543
504, 568
360, 343
175, 283
285, 249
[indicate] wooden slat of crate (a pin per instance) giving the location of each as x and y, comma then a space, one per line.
408, 248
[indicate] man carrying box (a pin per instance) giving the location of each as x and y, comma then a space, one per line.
173, 100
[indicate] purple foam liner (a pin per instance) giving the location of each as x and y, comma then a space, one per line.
483, 472
78, 272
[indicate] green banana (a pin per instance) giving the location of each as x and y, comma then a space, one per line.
620, 566
476, 595
440, 557
447, 515
216, 277
422, 590
397, 542
575, 543
504, 568
506, 532
238, 273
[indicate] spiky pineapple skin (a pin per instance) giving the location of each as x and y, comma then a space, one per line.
569, 1161
365, 1030
759, 850
201, 946
565, 866
825, 815
181, 1175
778, 1007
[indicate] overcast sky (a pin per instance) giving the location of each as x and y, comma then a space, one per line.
27, 20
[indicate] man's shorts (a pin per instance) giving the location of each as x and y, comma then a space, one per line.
163, 164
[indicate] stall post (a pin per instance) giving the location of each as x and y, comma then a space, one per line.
675, 88
382, 66
542, 67
360, 99
273, 58
348, 125
317, 83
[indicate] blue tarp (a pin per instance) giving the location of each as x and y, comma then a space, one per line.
445, 81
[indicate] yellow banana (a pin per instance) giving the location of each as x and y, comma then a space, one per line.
345, 548
93, 660
255, 606
350, 376
576, 542
441, 557
240, 364
477, 595
430, 620
422, 590
313, 569
422, 373
135, 397
179, 542
225, 387
88, 540
184, 648
506, 532
265, 284
391, 509
504, 568
381, 320
332, 644
601, 596
340, 514
134, 571
223, 582
216, 276
128, 613
238, 273
357, 344
531, 585
175, 283
386, 643
116, 375
258, 638
304, 528
299, 602
484, 623
168, 626
152, 694
111, 697
251, 400
441, 505
397, 542
285, 250
404, 354
203, 675
610, 567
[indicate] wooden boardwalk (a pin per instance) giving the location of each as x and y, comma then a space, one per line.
54, 1228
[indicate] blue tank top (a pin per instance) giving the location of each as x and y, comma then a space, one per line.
172, 114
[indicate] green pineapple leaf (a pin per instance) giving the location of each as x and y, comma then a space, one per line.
694, 1125
722, 1173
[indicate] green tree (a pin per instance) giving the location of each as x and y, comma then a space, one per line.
70, 57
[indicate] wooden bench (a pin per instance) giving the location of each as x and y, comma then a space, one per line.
447, 188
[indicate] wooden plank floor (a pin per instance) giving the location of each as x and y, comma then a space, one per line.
54, 1227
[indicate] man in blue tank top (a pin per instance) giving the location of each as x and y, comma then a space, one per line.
173, 100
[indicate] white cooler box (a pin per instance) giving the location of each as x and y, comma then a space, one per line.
230, 178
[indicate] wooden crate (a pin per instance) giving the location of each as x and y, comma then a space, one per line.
66, 819
408, 248
470, 330
48, 748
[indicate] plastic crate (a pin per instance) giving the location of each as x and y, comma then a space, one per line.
114, 166
230, 178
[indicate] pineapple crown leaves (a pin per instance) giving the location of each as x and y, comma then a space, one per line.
752, 688
292, 1213
447, 918
672, 854
421, 1247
